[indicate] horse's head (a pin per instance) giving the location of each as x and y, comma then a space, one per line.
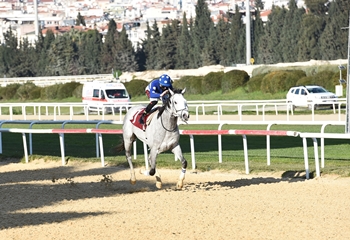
178, 104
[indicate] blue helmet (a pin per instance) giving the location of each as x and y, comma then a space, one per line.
165, 80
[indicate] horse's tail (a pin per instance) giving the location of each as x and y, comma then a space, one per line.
120, 147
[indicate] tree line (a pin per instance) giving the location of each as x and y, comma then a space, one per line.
291, 34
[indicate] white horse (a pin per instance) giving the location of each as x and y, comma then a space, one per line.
161, 133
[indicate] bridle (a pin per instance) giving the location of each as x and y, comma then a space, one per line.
173, 114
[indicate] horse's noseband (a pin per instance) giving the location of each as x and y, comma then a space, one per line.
184, 115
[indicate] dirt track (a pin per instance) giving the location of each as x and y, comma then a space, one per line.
43, 200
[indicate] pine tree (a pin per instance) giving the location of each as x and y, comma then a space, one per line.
278, 15
184, 46
317, 7
152, 46
308, 46
80, 20
10, 54
140, 57
108, 48
291, 32
26, 67
200, 30
89, 52
63, 55
167, 46
124, 59
333, 41
222, 31
42, 47
209, 54
264, 50
237, 29
258, 31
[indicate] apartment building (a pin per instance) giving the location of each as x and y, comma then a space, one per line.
20, 14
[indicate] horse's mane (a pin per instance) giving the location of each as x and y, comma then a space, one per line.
166, 103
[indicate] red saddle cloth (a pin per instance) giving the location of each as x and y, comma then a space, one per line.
136, 119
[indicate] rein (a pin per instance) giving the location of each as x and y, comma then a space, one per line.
168, 130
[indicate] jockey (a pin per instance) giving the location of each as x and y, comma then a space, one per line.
156, 91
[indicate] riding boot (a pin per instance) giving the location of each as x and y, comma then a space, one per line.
142, 118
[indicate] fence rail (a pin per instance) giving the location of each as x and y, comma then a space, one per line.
47, 81
217, 110
191, 133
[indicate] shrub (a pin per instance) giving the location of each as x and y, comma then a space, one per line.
309, 80
233, 79
23, 92
278, 81
50, 92
212, 82
10, 91
309, 70
136, 87
182, 82
194, 85
324, 79
35, 93
66, 90
77, 92
254, 83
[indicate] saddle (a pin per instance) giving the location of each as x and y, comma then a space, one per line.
136, 118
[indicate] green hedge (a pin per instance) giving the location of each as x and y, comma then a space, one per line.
254, 83
136, 87
66, 90
212, 82
50, 92
77, 92
24, 91
182, 82
10, 91
278, 81
194, 85
233, 80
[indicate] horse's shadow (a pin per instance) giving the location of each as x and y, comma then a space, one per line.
288, 176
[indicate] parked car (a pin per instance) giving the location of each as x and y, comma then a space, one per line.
310, 96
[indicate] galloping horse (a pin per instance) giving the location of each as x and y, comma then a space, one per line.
161, 133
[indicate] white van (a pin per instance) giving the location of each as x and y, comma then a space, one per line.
107, 96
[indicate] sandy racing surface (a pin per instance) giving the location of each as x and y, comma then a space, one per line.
43, 200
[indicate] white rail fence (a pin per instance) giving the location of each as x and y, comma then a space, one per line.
191, 133
321, 136
219, 110
47, 80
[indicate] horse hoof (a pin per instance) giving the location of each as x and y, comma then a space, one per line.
179, 185
133, 182
152, 171
159, 182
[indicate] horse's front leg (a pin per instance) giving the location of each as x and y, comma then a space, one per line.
152, 161
178, 153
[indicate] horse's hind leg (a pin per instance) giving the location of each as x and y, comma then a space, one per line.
128, 158
158, 180
178, 153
